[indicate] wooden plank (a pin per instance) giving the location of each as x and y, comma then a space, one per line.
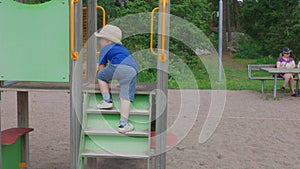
259, 66
92, 163
281, 70
37, 86
23, 122
0, 134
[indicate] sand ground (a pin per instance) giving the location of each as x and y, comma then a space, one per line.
256, 132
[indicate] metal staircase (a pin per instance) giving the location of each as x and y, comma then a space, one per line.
100, 137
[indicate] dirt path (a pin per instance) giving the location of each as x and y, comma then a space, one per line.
254, 133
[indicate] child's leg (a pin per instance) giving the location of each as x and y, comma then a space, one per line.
104, 88
104, 77
127, 79
125, 109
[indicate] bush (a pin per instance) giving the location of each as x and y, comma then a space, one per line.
247, 48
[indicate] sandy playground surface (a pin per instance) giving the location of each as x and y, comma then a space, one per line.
256, 132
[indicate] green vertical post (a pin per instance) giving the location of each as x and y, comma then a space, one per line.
162, 86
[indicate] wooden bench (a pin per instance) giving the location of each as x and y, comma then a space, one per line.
258, 67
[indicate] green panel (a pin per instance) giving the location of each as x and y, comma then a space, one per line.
34, 41
117, 143
141, 102
11, 155
112, 121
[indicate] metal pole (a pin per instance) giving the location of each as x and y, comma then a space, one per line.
76, 90
162, 86
91, 54
91, 43
220, 39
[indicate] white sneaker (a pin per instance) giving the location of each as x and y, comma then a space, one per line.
105, 105
127, 128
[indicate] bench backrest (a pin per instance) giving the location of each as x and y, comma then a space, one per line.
257, 67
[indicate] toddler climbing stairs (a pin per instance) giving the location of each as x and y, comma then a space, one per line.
100, 137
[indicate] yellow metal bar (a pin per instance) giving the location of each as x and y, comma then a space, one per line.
103, 14
103, 17
163, 56
74, 55
151, 32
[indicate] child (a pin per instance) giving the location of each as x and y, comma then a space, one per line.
285, 61
116, 62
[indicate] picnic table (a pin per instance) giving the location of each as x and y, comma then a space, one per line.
278, 71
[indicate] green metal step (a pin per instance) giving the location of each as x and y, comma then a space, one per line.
111, 122
106, 154
114, 132
141, 101
116, 146
116, 111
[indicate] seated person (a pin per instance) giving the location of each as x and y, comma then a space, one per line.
298, 66
285, 61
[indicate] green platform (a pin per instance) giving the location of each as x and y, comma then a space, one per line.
34, 41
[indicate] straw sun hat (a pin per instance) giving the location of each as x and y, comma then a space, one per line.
110, 32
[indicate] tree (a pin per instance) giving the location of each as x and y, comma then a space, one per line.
236, 14
272, 25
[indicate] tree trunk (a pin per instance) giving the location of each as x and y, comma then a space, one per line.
228, 20
224, 43
236, 14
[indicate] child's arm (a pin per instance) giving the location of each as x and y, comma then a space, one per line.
101, 67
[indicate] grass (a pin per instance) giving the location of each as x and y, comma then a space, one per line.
236, 75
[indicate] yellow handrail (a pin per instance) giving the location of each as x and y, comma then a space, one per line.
74, 55
103, 18
151, 31
103, 14
163, 56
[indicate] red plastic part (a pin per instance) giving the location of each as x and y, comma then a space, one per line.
171, 140
11, 135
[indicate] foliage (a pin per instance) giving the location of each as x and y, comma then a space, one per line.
272, 25
197, 12
247, 48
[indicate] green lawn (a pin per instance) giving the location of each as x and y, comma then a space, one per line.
235, 71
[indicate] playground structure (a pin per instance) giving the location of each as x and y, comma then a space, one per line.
44, 55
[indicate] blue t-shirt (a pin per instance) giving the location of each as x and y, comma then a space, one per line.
116, 54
